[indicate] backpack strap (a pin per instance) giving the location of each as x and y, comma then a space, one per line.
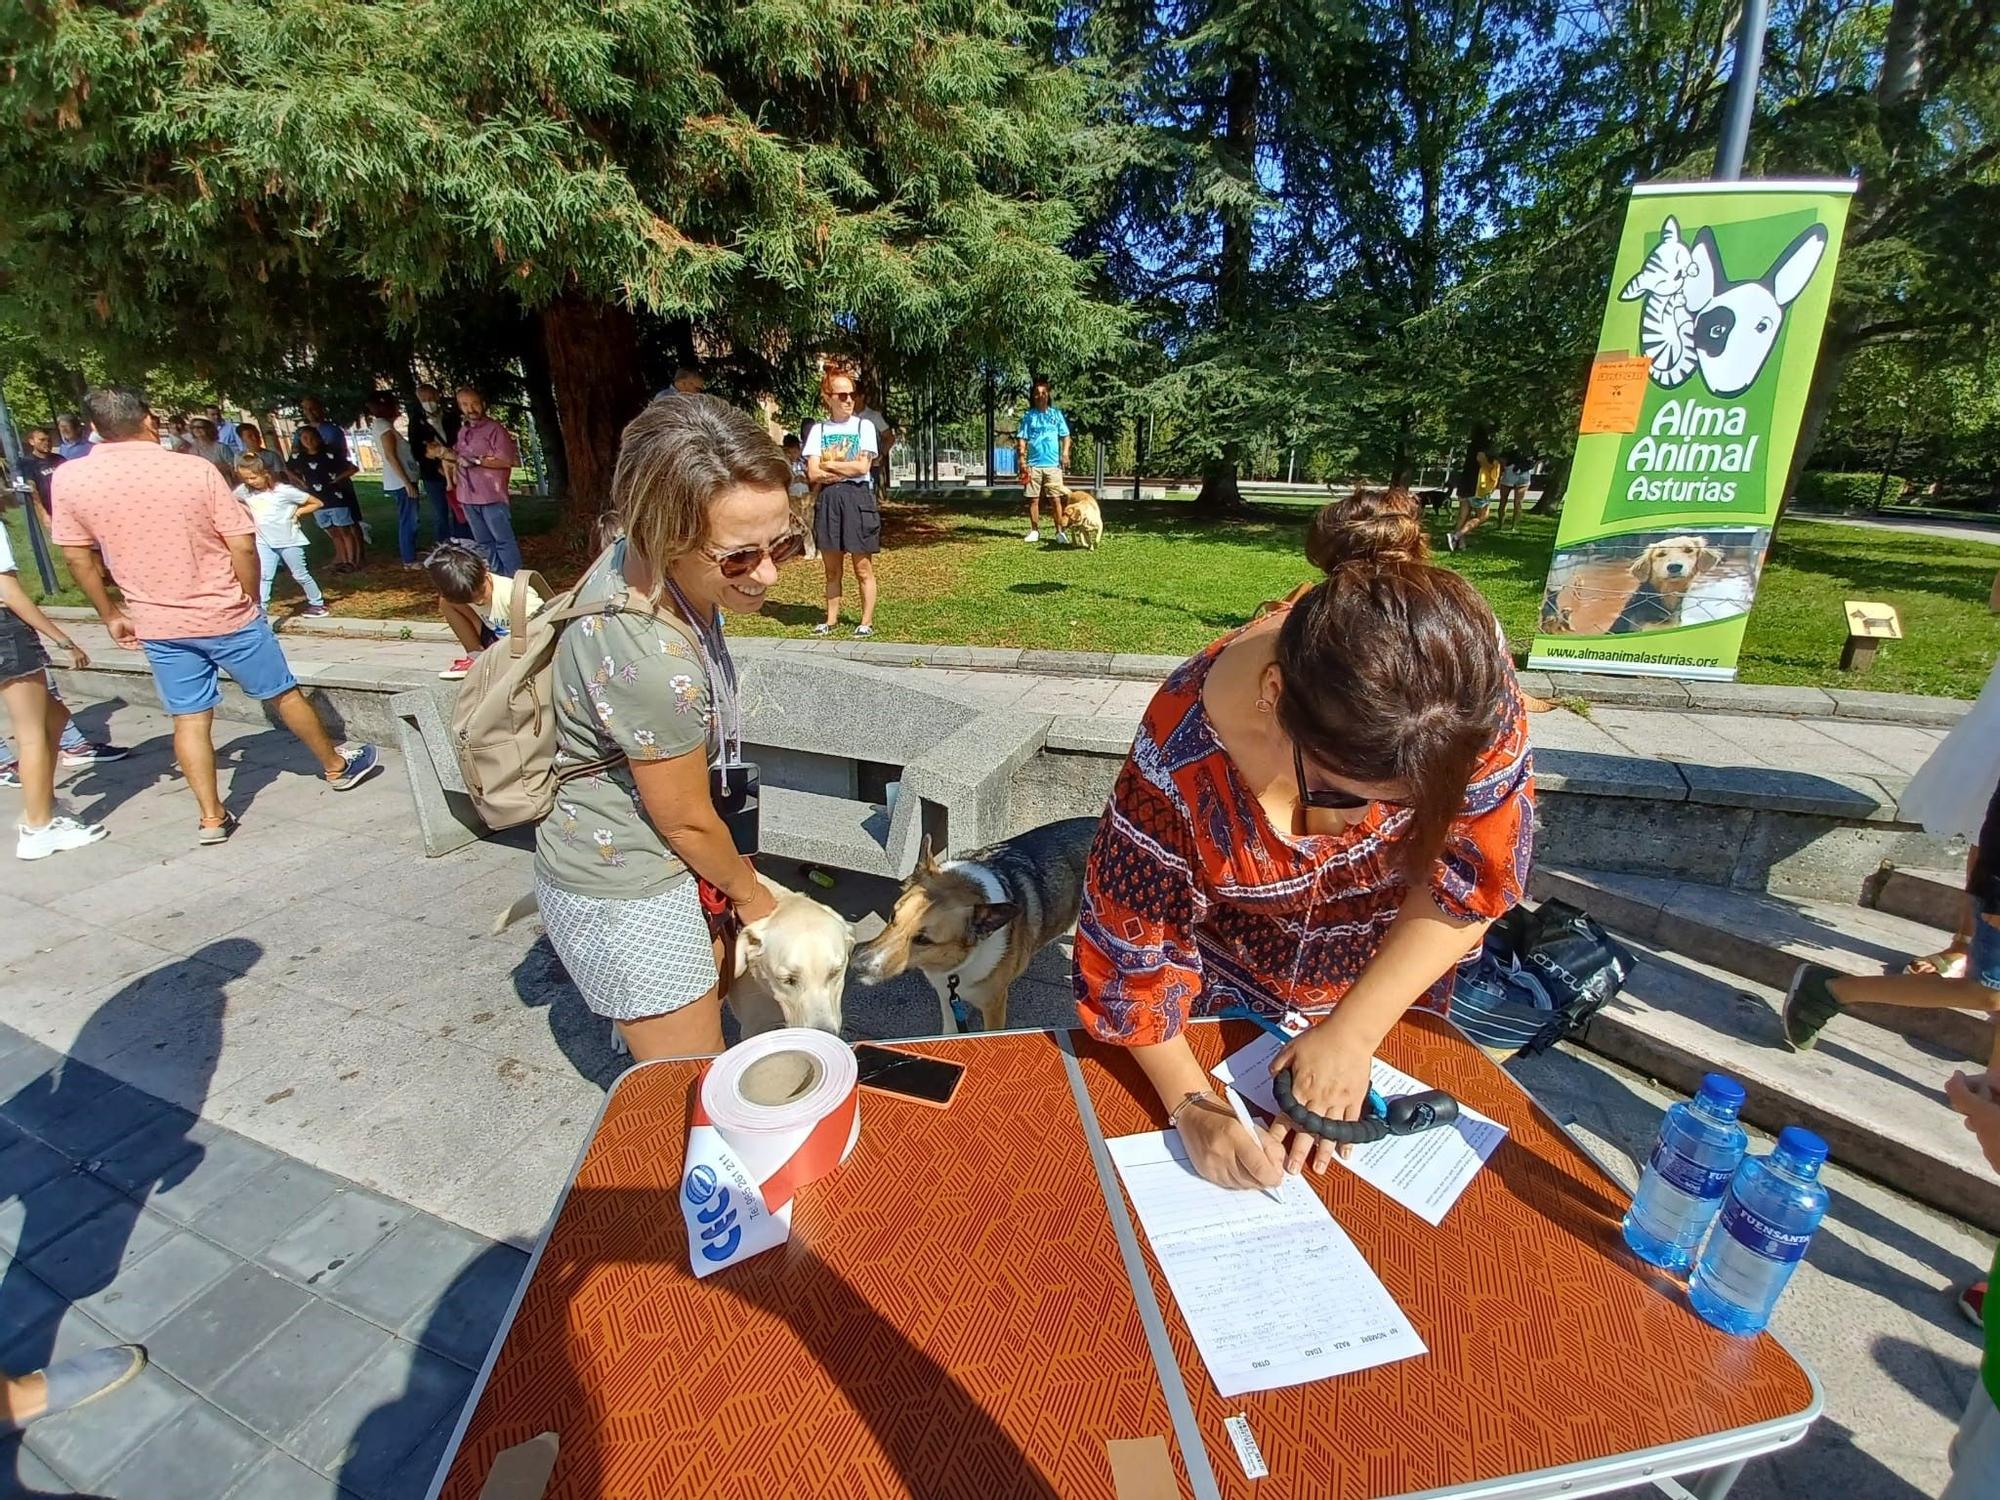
517, 608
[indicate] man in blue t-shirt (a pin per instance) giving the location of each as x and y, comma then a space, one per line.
1041, 443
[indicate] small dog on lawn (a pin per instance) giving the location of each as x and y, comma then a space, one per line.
1086, 521
971, 925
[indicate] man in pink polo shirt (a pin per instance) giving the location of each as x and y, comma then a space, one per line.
184, 553
487, 456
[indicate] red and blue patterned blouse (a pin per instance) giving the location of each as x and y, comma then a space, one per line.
1193, 901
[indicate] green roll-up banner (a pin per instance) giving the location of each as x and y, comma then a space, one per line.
1718, 298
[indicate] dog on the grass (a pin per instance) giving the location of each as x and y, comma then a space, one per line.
791, 967
1086, 521
1664, 570
971, 925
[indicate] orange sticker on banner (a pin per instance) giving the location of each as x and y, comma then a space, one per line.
1617, 390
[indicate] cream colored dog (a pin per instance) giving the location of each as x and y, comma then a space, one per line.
1085, 520
791, 968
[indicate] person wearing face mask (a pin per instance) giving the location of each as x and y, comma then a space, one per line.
1321, 813
634, 854
433, 429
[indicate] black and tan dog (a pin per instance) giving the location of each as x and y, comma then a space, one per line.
972, 925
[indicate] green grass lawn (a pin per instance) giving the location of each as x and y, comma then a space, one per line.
955, 571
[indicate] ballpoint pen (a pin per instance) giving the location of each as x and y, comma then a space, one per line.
1275, 1194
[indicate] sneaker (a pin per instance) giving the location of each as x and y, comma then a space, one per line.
822, 628
216, 833
1453, 541
457, 669
317, 611
1033, 536
60, 833
1972, 1302
10, 775
361, 763
93, 755
1809, 1005
1062, 537
864, 630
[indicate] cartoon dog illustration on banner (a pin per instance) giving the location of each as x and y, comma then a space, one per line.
1696, 317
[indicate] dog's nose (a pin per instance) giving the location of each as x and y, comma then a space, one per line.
1712, 330
1675, 569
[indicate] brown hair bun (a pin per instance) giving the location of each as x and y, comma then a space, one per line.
1369, 526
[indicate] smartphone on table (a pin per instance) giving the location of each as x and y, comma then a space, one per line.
908, 1075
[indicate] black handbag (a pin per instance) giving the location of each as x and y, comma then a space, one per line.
735, 790
1540, 976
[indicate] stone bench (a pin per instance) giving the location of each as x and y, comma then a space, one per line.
856, 766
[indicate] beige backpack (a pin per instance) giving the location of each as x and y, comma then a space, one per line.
503, 722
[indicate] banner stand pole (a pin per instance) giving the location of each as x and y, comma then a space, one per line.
1741, 102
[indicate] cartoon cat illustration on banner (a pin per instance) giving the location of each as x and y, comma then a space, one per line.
1696, 317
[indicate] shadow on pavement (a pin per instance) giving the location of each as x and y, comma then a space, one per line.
74, 1228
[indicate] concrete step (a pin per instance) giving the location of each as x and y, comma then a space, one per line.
1875, 1095
1936, 897
817, 829
1763, 938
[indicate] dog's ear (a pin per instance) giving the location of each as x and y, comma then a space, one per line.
1709, 277
750, 942
1642, 564
990, 918
927, 858
1709, 560
1796, 266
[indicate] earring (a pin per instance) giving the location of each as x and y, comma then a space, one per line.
1264, 705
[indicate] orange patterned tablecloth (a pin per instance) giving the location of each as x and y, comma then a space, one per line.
953, 1317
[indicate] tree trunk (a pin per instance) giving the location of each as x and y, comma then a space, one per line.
593, 366
1550, 501
542, 407
1219, 493
1834, 352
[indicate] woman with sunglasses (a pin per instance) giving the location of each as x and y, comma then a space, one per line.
840, 455
633, 852
1321, 813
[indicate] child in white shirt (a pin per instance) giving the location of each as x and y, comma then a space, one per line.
476, 603
276, 508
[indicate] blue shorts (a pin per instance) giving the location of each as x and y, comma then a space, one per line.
330, 516
1982, 964
185, 671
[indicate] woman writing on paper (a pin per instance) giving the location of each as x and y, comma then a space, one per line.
1321, 813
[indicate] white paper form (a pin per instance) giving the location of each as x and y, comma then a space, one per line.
1424, 1172
1275, 1293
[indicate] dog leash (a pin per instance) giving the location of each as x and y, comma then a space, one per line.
963, 1015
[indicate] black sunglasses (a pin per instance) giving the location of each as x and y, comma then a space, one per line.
746, 560
1327, 799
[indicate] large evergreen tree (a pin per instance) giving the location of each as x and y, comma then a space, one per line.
238, 180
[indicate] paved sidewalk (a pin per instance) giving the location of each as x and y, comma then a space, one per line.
307, 1338
336, 1012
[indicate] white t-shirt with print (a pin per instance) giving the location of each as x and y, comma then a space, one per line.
499, 607
848, 439
276, 512
6, 553
389, 442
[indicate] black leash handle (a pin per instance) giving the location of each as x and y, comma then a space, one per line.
1408, 1114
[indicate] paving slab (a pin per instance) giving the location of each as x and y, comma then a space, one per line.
86, 1444
277, 1387
151, 1288
196, 1456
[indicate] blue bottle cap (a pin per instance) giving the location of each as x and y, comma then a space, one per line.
1802, 1146
1722, 1091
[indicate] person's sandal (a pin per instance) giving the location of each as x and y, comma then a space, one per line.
1972, 1302
1809, 1005
217, 833
82, 1378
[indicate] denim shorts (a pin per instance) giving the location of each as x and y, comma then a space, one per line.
330, 516
21, 653
185, 671
1983, 962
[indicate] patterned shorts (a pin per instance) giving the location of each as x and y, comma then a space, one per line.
632, 959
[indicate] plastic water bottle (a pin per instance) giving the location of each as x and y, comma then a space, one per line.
1773, 1206
1698, 1150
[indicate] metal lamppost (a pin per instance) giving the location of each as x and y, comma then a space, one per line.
1741, 102
24, 493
